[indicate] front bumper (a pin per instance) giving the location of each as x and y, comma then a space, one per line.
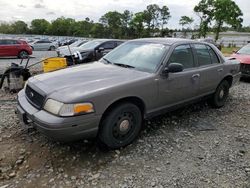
58, 128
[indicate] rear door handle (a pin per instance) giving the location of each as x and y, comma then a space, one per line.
196, 76
219, 70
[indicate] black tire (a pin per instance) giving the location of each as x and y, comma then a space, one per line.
23, 54
120, 126
52, 48
220, 96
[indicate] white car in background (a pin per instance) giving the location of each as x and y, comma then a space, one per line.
43, 45
66, 49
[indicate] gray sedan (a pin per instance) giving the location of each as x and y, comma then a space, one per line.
140, 79
43, 45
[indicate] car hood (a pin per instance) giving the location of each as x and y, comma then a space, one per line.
86, 79
242, 58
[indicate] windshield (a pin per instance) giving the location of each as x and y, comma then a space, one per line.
90, 44
139, 55
244, 50
77, 43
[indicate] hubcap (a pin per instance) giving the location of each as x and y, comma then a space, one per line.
221, 95
124, 126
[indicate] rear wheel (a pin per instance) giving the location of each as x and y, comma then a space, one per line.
120, 126
220, 96
23, 54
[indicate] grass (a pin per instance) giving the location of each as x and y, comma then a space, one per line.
229, 50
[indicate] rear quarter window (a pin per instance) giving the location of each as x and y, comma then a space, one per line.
214, 56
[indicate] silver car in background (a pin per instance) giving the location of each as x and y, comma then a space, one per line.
43, 45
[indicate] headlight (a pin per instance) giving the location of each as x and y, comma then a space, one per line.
62, 109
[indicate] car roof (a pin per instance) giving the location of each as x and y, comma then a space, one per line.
10, 39
168, 41
106, 40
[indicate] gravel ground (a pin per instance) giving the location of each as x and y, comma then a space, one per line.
196, 146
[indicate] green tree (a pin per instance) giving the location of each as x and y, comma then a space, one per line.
164, 17
82, 28
205, 11
6, 28
98, 31
19, 27
126, 18
136, 24
186, 21
112, 20
226, 11
40, 26
63, 27
151, 18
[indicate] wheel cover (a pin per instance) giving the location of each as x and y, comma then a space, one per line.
221, 94
124, 126
23, 53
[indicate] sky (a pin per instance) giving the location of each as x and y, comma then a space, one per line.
27, 10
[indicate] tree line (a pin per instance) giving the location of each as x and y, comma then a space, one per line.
214, 15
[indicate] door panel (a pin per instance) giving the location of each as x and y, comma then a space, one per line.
179, 87
3, 47
210, 68
182, 86
210, 78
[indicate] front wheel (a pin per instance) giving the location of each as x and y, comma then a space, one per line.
120, 126
220, 96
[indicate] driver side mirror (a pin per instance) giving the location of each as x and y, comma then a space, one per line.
173, 68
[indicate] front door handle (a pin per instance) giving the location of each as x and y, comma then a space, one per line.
220, 70
196, 76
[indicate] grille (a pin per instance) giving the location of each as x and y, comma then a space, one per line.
245, 68
34, 97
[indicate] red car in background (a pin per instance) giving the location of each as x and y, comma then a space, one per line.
243, 55
12, 47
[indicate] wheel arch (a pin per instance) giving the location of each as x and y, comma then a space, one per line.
131, 99
229, 79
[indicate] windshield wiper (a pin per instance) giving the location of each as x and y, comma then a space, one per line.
123, 65
107, 61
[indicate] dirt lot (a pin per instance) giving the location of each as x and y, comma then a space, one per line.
196, 146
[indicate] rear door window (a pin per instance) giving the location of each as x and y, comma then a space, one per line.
11, 42
203, 54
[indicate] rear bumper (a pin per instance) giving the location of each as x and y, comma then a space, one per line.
245, 70
58, 128
245, 75
236, 78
